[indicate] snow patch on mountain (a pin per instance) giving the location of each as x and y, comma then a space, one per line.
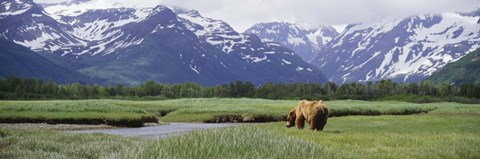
75, 8
286, 62
27, 24
215, 32
299, 68
296, 41
14, 8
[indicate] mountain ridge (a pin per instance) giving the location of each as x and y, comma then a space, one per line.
464, 70
404, 49
132, 45
303, 40
19, 61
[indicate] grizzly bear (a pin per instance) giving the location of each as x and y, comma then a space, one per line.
314, 112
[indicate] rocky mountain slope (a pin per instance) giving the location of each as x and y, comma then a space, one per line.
465, 70
19, 61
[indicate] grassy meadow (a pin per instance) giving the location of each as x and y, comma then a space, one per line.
73, 112
359, 129
136, 113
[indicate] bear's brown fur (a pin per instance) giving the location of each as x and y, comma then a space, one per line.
314, 112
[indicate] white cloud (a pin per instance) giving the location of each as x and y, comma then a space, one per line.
242, 14
49, 1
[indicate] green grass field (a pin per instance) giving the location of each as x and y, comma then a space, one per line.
73, 112
202, 109
135, 113
435, 135
448, 130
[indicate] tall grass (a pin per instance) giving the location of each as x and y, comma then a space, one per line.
58, 145
237, 142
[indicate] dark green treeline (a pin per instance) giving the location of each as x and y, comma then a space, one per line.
13, 88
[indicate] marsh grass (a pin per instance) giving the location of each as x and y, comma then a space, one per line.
197, 110
102, 106
434, 130
73, 112
432, 135
210, 109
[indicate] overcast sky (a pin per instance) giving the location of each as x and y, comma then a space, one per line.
241, 14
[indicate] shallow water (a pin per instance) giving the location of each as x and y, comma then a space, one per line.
155, 132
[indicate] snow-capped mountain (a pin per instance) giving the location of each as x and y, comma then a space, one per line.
130, 45
249, 48
167, 52
27, 24
303, 40
406, 50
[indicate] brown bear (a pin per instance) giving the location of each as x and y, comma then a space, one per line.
315, 112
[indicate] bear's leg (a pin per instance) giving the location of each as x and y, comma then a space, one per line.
300, 122
324, 119
321, 122
313, 124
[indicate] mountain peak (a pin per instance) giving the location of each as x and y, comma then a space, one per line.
282, 25
306, 42
189, 12
15, 7
29, 25
162, 10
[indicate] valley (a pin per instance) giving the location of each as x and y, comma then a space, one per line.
218, 79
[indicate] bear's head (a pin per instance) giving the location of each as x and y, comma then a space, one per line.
291, 118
